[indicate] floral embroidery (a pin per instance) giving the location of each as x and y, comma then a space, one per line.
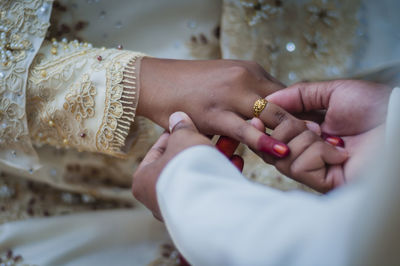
121, 101
66, 124
22, 23
327, 15
315, 45
258, 10
80, 101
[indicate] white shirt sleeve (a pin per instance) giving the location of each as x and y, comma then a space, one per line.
217, 217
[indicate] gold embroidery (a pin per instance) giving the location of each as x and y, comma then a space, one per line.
121, 100
76, 121
80, 101
22, 23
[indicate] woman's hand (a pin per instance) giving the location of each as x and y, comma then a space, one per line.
355, 111
218, 95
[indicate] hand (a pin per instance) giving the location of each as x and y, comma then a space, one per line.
355, 111
311, 161
218, 95
183, 135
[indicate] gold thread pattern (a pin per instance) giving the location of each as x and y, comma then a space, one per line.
80, 100
122, 99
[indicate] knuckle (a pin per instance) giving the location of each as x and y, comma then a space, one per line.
182, 125
296, 125
280, 116
319, 146
308, 136
326, 186
239, 71
296, 169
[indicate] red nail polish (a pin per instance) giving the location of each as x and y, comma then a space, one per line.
227, 146
271, 146
280, 149
333, 140
238, 162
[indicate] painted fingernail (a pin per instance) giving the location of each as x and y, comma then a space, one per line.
174, 119
280, 149
238, 162
333, 140
227, 145
314, 127
271, 146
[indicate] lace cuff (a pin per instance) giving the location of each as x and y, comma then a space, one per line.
82, 97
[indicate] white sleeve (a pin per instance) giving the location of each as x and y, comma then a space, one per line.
217, 217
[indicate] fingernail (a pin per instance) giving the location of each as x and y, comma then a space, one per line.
271, 146
333, 140
227, 145
342, 150
174, 119
238, 162
281, 150
314, 127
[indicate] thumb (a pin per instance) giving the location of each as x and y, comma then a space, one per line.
304, 97
180, 120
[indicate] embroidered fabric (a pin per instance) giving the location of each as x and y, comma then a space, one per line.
79, 96
22, 199
286, 36
23, 25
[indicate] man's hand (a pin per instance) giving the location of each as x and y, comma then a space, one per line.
355, 111
183, 135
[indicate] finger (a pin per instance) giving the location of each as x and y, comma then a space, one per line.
303, 97
291, 128
333, 140
156, 151
238, 162
317, 116
180, 120
227, 145
310, 167
335, 175
258, 124
297, 146
273, 115
235, 127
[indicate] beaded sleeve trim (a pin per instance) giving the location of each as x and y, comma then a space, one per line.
121, 99
82, 97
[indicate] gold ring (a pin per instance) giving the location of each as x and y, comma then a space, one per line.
259, 106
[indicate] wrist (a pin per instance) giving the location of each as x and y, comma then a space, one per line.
154, 94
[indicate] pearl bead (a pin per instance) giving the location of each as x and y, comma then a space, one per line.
2, 75
65, 141
120, 47
54, 51
43, 73
51, 123
290, 47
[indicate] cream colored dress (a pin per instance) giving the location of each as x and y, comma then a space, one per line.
69, 138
